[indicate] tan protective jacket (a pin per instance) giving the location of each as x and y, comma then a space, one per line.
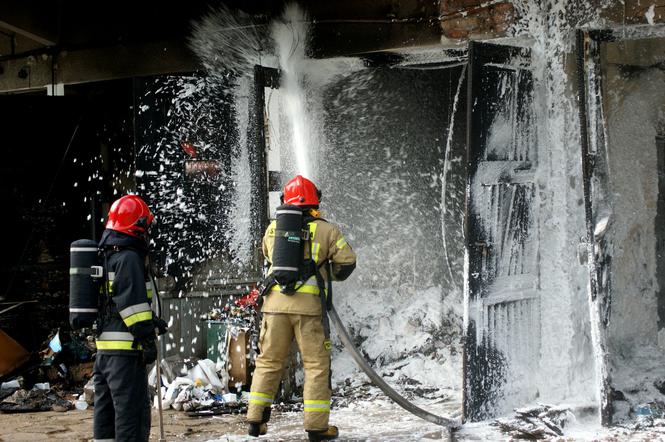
326, 243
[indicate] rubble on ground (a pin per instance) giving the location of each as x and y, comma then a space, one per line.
538, 422
53, 379
36, 399
196, 386
204, 387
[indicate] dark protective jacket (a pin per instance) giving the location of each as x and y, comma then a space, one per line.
126, 317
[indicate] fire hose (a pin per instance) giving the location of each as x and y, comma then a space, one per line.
379, 382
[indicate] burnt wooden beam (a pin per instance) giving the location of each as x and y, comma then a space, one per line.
36, 70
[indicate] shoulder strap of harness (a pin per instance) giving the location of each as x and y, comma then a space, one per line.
105, 302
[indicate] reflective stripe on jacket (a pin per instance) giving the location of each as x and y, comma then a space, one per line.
129, 317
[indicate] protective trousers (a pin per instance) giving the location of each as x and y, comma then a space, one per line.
122, 402
277, 332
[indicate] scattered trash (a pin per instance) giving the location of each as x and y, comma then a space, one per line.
81, 403
55, 343
67, 359
80, 373
230, 398
10, 384
647, 414
58, 380
89, 392
22, 401
539, 422
201, 386
67, 348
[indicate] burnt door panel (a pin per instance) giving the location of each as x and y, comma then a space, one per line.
502, 316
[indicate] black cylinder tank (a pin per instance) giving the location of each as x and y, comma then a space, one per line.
287, 256
85, 276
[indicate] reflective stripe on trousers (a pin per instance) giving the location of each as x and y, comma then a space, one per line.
317, 406
277, 333
260, 398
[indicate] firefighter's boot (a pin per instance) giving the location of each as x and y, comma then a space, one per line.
257, 430
331, 433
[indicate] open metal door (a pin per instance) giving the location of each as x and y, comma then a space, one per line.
622, 120
502, 305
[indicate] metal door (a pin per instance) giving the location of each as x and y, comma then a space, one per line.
621, 145
502, 306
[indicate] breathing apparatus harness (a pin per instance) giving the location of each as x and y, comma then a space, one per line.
90, 304
290, 270
106, 306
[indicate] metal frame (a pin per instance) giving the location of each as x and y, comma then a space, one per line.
593, 143
263, 77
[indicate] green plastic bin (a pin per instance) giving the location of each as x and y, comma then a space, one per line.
216, 340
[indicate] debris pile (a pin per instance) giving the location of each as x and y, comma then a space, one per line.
196, 387
39, 398
51, 379
538, 422
241, 312
67, 358
214, 385
59, 376
233, 337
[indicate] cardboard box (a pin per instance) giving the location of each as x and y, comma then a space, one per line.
12, 354
238, 362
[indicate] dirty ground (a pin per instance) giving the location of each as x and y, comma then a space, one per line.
371, 419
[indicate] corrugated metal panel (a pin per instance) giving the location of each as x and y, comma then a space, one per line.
187, 331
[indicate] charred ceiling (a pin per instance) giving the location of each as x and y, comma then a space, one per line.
71, 42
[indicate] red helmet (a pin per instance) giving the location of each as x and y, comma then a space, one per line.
301, 192
130, 215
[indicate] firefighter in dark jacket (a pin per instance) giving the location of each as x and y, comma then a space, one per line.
126, 343
299, 315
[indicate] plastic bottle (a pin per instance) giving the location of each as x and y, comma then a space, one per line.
644, 415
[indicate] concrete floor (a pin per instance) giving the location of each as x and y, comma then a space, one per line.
364, 420
371, 420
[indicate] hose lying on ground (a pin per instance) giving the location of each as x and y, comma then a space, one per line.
379, 382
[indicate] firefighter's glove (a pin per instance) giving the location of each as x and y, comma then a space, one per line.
149, 353
160, 325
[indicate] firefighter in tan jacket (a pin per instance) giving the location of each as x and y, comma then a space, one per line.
300, 314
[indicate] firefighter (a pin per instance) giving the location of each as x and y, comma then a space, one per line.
126, 343
300, 315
